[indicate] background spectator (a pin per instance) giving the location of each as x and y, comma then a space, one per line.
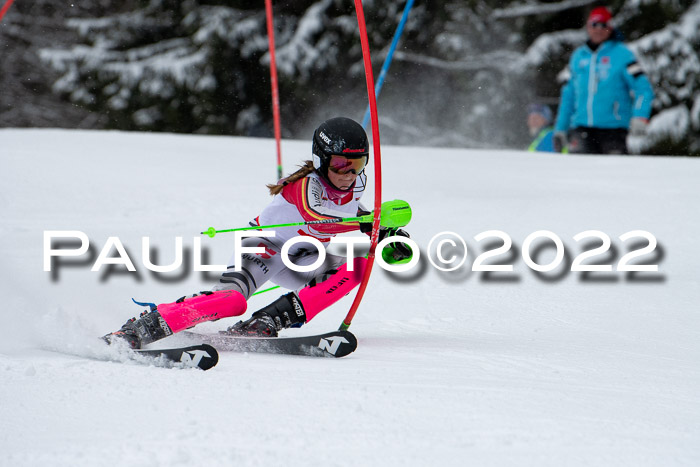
539, 122
605, 95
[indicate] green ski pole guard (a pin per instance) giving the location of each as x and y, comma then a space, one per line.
395, 214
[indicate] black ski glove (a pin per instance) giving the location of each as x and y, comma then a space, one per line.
398, 251
365, 227
394, 252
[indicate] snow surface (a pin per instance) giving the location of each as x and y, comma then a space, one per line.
452, 368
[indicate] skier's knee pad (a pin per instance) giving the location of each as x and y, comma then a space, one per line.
319, 296
209, 306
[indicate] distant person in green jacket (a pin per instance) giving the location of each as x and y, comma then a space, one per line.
539, 122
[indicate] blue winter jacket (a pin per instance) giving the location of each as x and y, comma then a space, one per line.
543, 142
605, 88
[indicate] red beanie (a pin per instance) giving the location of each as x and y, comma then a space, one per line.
600, 15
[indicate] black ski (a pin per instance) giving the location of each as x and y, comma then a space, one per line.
201, 356
332, 344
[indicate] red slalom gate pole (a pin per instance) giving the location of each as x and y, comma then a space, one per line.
369, 77
273, 84
5, 7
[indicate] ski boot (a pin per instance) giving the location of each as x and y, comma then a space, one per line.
138, 332
163, 320
284, 312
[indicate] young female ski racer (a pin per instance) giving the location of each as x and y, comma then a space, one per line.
328, 187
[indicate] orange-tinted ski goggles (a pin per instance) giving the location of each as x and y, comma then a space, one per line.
342, 165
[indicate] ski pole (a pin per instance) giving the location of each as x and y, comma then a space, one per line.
394, 214
211, 231
266, 290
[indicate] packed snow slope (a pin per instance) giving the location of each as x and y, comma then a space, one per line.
462, 367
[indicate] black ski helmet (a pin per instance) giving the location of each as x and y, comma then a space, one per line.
338, 136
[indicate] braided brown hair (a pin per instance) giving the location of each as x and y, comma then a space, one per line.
303, 171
